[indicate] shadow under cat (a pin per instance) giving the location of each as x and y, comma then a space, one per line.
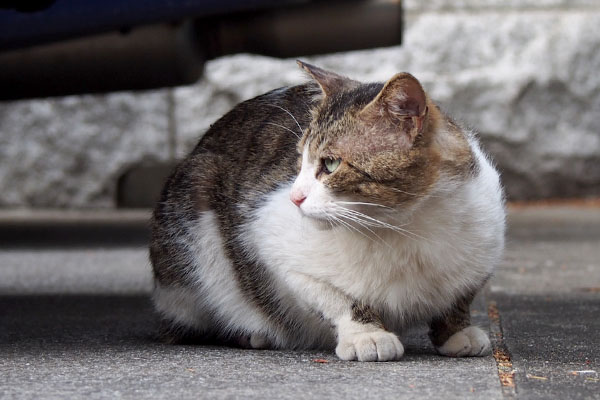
92, 322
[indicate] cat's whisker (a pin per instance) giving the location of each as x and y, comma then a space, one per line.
396, 218
363, 204
414, 194
364, 222
343, 224
389, 226
366, 226
284, 127
404, 192
373, 225
290, 114
330, 219
340, 221
353, 228
382, 224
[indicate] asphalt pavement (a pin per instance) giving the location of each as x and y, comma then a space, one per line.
76, 322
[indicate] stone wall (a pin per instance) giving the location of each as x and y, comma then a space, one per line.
522, 73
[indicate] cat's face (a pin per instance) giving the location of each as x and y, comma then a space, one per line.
367, 150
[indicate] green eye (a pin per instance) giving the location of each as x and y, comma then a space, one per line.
331, 165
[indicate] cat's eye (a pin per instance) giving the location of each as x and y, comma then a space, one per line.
331, 164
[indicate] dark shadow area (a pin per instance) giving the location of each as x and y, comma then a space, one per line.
33, 322
74, 234
77, 322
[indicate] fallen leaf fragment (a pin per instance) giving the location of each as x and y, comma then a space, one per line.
583, 372
541, 378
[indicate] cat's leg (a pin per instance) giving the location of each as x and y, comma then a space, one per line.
184, 318
362, 337
171, 332
360, 332
256, 341
453, 335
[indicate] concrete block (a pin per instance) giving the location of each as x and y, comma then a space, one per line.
479, 5
69, 152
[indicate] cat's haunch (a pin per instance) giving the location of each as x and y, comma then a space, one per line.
332, 214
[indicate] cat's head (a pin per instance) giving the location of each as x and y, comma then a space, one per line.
372, 148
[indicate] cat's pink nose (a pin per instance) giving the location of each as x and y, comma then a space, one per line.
297, 198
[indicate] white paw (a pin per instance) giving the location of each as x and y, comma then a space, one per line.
471, 341
369, 346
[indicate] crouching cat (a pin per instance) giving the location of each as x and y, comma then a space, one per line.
332, 214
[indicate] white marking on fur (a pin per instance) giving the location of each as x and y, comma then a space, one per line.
319, 202
214, 289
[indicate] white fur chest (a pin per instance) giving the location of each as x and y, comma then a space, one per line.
409, 276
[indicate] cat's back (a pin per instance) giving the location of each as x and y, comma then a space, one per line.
263, 125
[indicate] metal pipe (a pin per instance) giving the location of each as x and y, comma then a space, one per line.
324, 27
148, 57
174, 54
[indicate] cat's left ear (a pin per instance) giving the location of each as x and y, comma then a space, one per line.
402, 102
330, 82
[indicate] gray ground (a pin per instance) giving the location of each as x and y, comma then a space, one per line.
75, 322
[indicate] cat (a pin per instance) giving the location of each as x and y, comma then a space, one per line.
332, 214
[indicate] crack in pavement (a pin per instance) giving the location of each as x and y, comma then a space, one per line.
506, 372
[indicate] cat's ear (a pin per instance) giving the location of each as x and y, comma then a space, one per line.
329, 82
402, 102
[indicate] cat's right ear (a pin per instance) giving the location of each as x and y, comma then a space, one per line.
329, 82
402, 102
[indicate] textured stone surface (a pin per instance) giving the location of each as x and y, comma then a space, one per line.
454, 5
524, 74
69, 152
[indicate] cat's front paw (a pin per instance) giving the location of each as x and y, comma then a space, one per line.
369, 346
469, 342
255, 341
